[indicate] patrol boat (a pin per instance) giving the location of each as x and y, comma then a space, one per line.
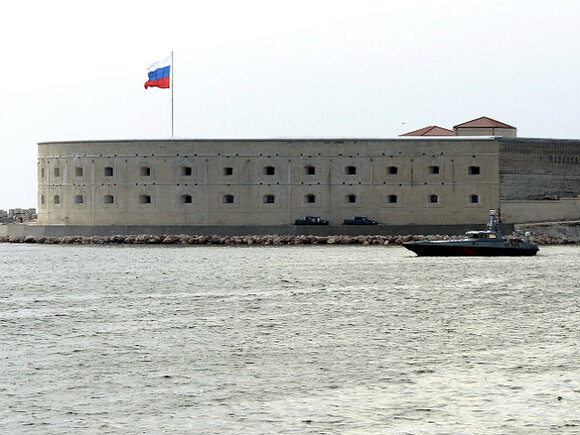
489, 243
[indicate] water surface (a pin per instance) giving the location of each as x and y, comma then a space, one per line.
292, 339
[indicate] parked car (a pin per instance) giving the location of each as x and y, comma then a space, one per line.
311, 220
359, 220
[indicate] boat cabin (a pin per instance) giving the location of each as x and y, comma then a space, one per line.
481, 235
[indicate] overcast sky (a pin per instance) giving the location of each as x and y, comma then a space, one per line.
74, 70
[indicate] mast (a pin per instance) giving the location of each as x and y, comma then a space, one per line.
172, 82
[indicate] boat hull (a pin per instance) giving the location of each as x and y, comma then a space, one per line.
457, 250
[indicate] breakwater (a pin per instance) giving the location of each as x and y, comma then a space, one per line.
214, 239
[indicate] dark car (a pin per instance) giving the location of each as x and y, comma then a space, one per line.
310, 220
359, 220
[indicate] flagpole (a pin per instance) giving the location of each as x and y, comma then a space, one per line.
172, 73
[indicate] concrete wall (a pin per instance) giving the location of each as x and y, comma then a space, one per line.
540, 211
83, 176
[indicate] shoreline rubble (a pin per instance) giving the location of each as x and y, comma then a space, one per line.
185, 239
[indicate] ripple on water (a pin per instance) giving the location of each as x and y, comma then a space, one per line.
287, 339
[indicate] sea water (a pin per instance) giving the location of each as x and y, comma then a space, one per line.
293, 339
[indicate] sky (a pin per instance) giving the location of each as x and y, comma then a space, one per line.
75, 70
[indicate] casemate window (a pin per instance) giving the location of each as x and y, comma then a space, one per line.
144, 199
310, 170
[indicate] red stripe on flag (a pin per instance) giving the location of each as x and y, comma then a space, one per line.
160, 83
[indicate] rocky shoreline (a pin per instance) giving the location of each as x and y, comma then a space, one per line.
184, 239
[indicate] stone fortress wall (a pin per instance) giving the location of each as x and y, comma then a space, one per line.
403, 181
428, 177
539, 169
539, 180
267, 182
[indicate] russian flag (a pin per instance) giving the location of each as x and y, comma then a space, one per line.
159, 74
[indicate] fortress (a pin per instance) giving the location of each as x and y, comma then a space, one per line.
432, 176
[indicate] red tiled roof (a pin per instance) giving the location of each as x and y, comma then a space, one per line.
432, 130
483, 122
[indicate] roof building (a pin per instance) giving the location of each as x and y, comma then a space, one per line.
482, 126
432, 130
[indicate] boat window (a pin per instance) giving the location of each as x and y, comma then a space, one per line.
492, 236
483, 236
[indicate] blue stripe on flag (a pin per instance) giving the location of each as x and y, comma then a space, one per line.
159, 73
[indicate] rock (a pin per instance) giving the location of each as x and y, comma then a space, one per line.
169, 240
361, 239
154, 239
142, 238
